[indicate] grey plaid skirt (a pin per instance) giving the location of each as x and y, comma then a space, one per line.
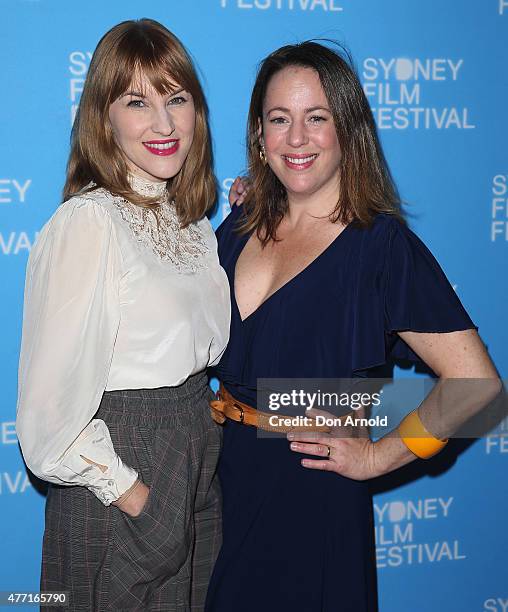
162, 559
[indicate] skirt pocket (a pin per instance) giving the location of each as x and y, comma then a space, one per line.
154, 546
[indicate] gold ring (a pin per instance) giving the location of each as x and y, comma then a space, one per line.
329, 451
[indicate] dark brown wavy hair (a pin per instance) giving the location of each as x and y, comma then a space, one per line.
127, 51
366, 185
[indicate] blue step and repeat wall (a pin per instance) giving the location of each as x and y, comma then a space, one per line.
435, 74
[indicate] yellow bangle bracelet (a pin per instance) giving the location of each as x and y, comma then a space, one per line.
424, 445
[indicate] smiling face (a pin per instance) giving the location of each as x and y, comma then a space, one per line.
298, 133
153, 131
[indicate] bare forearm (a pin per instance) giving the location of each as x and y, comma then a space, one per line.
453, 401
390, 453
445, 409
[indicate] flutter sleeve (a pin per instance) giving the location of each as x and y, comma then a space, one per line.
401, 288
70, 322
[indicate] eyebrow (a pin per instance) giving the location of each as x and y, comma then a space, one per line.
312, 109
140, 95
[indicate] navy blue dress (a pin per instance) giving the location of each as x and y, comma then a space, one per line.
295, 539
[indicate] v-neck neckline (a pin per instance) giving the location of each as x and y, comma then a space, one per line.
286, 284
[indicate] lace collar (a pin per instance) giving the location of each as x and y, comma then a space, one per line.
160, 230
146, 187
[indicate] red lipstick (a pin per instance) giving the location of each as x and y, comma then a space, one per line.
169, 147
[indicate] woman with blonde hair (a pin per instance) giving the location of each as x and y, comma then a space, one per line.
125, 307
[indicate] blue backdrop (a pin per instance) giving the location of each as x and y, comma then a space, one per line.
435, 74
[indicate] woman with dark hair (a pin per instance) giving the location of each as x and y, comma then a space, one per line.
125, 307
326, 282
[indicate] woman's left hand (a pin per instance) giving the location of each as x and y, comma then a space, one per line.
338, 451
239, 190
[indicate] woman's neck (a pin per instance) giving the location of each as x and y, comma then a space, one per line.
309, 208
145, 187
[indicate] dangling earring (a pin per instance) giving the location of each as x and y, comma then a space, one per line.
262, 155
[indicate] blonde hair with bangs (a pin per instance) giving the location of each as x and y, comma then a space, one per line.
125, 53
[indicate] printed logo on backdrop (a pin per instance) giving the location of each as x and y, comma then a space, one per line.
78, 67
416, 93
396, 531
15, 192
290, 5
224, 208
503, 7
16, 243
12, 483
495, 604
8, 433
496, 443
499, 207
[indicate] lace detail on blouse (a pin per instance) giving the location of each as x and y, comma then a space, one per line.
147, 188
159, 230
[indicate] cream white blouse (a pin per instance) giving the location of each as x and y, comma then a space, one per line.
114, 299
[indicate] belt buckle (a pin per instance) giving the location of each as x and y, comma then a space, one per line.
241, 411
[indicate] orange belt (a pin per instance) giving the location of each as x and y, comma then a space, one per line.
226, 406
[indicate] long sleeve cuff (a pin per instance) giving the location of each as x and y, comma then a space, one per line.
111, 484
94, 444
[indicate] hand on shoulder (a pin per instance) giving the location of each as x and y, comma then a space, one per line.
239, 190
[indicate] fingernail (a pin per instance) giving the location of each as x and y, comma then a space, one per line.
293, 446
291, 436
